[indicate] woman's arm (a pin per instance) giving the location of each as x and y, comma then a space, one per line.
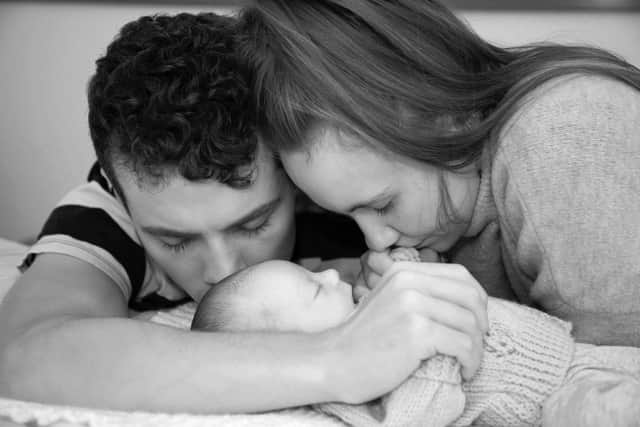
567, 184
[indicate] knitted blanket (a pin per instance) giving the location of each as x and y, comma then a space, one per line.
526, 359
527, 355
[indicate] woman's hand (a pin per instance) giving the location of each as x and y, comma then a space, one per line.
415, 311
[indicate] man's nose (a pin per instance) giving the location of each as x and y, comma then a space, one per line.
377, 234
221, 261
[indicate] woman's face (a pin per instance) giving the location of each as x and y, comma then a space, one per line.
395, 200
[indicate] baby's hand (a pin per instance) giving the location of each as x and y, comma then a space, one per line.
375, 264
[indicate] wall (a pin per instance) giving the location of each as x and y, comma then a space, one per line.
47, 53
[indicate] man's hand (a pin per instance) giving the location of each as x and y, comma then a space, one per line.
415, 311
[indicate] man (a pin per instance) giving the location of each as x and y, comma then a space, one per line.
184, 195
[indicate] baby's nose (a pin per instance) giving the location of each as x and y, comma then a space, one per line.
329, 277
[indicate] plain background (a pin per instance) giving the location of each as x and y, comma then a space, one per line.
47, 54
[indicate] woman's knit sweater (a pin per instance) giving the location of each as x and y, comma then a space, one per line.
556, 221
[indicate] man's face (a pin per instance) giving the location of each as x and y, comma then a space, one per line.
200, 232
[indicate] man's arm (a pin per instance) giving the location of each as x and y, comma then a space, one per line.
65, 338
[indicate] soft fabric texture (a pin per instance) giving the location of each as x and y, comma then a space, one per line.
36, 414
602, 388
556, 221
527, 354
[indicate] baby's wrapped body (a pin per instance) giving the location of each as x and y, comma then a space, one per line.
532, 370
529, 357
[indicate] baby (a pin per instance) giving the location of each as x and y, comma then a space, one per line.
528, 355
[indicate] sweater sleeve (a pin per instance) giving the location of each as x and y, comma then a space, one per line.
566, 179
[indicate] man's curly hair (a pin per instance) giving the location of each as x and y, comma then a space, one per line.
170, 97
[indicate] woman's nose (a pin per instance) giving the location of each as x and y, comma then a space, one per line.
378, 235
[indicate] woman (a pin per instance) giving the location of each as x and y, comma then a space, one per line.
521, 164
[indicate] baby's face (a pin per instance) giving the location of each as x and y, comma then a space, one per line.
291, 298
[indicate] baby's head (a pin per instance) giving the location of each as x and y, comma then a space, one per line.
275, 296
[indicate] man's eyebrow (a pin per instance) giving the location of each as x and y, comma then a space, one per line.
368, 203
168, 232
256, 213
178, 234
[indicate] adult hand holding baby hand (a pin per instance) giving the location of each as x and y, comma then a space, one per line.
374, 264
415, 311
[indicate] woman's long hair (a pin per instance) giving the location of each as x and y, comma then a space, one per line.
407, 75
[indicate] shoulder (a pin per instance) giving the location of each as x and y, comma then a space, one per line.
576, 107
576, 123
91, 225
92, 201
580, 92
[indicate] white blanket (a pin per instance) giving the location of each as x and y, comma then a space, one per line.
36, 414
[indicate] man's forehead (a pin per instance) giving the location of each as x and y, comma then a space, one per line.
260, 171
187, 205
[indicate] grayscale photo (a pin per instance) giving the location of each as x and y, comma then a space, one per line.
320, 213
